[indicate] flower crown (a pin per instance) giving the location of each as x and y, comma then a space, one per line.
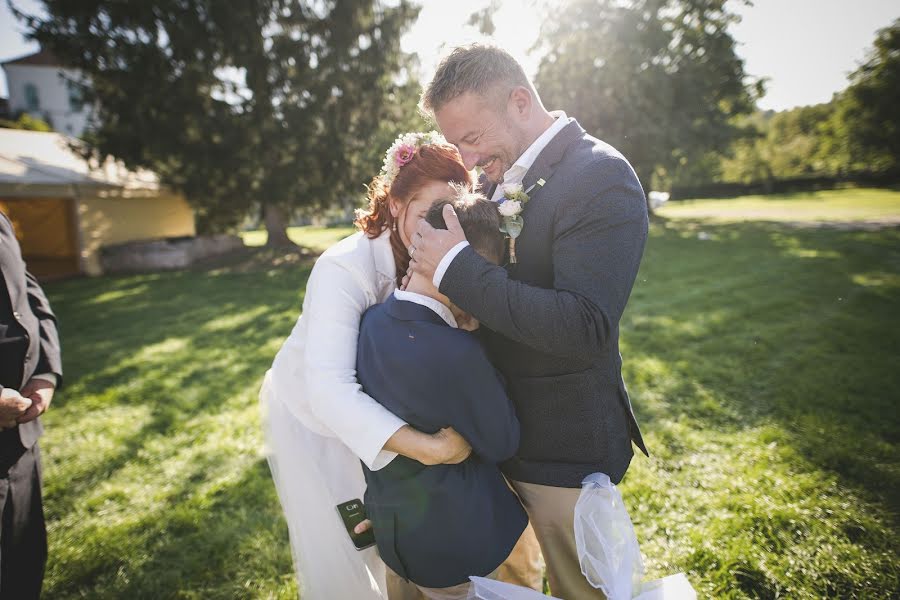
403, 150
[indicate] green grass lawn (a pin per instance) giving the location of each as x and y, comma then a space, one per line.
761, 359
314, 238
853, 204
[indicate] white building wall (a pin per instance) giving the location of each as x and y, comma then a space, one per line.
53, 96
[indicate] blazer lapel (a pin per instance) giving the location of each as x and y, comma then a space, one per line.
8, 262
546, 161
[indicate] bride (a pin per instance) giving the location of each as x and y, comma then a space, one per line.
318, 422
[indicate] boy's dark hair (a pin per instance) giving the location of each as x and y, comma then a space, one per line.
479, 218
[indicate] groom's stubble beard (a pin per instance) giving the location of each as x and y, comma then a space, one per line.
510, 154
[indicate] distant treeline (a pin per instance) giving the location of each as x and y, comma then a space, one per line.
854, 138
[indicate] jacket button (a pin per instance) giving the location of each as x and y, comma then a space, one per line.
17, 315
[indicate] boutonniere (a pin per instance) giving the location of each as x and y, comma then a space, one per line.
511, 206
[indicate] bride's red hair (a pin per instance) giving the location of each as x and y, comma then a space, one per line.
432, 162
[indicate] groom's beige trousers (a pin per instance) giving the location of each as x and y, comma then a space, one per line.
552, 514
523, 567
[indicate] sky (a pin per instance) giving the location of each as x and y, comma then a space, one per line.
805, 48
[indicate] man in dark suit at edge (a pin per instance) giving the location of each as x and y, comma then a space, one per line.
30, 371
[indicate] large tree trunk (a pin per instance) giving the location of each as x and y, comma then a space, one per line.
276, 227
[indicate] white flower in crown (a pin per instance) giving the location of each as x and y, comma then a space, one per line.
404, 150
510, 208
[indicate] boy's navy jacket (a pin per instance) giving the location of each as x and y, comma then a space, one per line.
437, 525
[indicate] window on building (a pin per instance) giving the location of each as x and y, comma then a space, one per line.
32, 100
76, 99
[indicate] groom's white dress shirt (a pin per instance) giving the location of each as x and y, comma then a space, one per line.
515, 174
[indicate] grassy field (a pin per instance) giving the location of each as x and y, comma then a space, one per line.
847, 205
314, 238
761, 359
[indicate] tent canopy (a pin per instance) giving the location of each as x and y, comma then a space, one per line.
34, 163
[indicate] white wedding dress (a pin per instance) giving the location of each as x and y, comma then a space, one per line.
319, 424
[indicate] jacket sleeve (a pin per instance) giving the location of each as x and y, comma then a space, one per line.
600, 232
481, 411
50, 360
335, 301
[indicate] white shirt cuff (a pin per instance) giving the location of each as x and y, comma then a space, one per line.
384, 457
48, 377
445, 263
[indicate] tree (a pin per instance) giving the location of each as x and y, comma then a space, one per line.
870, 109
856, 133
658, 79
242, 105
790, 143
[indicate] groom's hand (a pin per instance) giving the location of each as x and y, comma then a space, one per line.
429, 245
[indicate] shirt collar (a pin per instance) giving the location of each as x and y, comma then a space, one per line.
516, 173
441, 310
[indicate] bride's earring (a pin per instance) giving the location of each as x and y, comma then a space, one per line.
395, 226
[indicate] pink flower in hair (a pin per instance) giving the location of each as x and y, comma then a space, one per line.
405, 154
403, 150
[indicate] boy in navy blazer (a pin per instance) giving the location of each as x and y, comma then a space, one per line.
437, 525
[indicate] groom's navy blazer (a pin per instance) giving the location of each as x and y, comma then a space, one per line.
437, 525
555, 313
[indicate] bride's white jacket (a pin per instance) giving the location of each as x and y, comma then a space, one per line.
314, 373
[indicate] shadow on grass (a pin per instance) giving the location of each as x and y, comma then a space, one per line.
804, 329
158, 365
155, 485
789, 333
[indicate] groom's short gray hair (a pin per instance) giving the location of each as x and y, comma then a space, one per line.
479, 68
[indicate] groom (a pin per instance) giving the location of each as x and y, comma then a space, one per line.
555, 312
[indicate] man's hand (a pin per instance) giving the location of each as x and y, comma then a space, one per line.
429, 245
12, 406
40, 392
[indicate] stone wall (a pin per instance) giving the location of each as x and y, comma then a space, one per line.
160, 255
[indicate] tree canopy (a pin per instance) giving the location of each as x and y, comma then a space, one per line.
658, 79
869, 112
241, 105
856, 134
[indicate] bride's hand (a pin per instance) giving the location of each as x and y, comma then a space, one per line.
452, 448
446, 447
